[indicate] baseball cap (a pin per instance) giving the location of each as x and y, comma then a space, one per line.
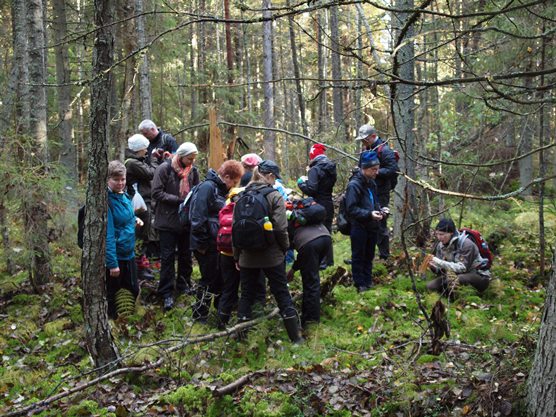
267, 166
365, 131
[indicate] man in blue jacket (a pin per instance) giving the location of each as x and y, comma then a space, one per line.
364, 213
386, 179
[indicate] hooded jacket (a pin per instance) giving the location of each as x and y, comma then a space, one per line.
208, 200
320, 182
274, 254
141, 172
166, 193
362, 200
120, 229
459, 255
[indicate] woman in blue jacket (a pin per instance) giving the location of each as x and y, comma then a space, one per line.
121, 269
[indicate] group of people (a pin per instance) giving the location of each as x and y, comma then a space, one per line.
234, 263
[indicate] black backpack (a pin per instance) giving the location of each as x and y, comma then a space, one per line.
249, 215
184, 210
342, 220
307, 212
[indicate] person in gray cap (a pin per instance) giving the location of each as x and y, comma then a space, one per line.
385, 180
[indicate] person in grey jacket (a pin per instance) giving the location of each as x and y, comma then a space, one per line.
460, 256
270, 260
172, 182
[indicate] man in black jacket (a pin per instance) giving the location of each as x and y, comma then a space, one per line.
386, 179
364, 213
160, 141
319, 184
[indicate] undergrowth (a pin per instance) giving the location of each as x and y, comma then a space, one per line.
368, 356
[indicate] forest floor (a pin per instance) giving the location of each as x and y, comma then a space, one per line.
371, 355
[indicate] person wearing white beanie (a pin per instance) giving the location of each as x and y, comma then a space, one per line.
186, 148
137, 143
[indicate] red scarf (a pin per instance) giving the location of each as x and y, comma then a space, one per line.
183, 173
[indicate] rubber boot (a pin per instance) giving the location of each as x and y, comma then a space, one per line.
292, 327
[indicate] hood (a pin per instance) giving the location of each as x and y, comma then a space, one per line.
212, 175
324, 163
129, 154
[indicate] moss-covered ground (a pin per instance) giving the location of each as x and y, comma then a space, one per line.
369, 356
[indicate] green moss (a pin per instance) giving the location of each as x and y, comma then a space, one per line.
190, 398
54, 327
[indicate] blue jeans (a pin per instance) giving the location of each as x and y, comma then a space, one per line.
363, 243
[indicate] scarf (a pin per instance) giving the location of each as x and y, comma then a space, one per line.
183, 173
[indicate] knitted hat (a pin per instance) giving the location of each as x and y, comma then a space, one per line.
251, 159
186, 148
446, 225
316, 150
137, 142
368, 159
268, 166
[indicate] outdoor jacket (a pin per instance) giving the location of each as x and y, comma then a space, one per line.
209, 199
166, 194
320, 182
164, 141
305, 234
361, 200
388, 167
140, 172
274, 254
120, 229
460, 255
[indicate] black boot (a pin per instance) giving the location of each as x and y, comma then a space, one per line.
292, 327
223, 320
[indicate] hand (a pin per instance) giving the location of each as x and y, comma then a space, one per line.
435, 262
139, 222
202, 251
385, 210
157, 153
290, 275
237, 265
166, 155
115, 272
376, 215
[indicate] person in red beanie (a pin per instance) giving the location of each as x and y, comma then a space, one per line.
318, 183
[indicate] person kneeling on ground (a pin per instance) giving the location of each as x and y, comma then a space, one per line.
456, 256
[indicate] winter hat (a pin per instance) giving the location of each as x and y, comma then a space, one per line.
186, 148
251, 159
368, 159
316, 150
446, 225
365, 131
268, 166
137, 142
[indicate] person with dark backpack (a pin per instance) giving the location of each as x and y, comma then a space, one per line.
162, 144
260, 241
385, 180
204, 214
457, 261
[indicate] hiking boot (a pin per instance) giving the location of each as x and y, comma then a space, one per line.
168, 303
292, 327
347, 261
364, 288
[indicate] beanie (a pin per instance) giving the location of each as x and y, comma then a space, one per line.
446, 225
137, 142
251, 159
368, 159
316, 150
186, 148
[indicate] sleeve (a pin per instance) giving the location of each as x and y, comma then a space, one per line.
171, 145
158, 191
355, 212
310, 186
200, 230
279, 220
111, 257
388, 164
463, 259
143, 171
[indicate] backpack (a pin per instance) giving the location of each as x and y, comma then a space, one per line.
307, 211
225, 220
476, 237
184, 210
394, 179
342, 221
250, 211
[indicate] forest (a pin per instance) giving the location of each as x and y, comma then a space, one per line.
462, 90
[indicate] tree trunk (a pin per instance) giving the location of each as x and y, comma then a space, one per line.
403, 116
63, 77
268, 87
297, 75
337, 94
97, 331
36, 214
323, 109
144, 80
541, 386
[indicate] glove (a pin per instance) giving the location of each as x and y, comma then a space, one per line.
302, 179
